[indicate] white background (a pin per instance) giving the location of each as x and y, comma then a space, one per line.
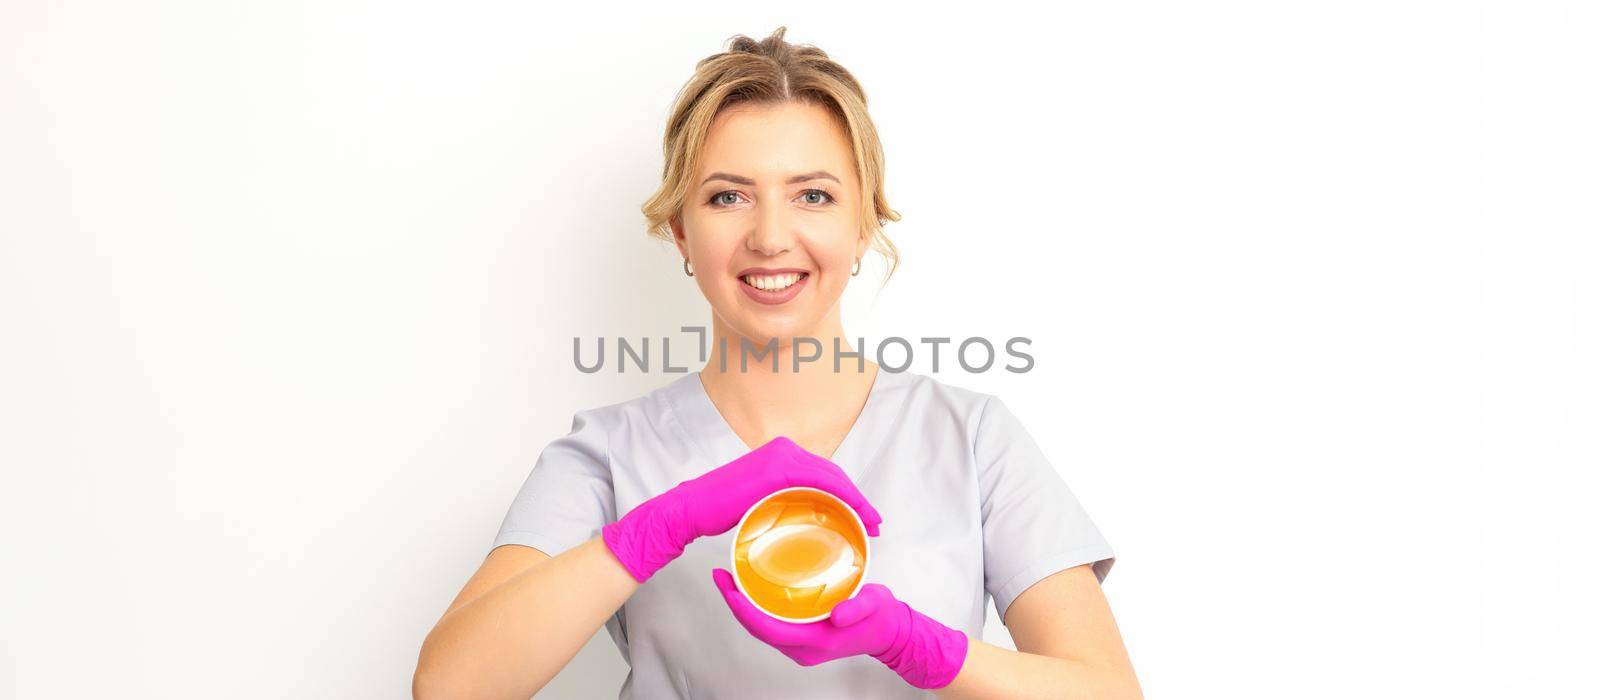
287, 294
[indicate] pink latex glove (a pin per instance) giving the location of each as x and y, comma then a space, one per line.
925, 652
655, 532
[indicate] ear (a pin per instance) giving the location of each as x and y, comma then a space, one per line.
863, 244
678, 237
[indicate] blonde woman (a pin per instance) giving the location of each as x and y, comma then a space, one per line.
773, 192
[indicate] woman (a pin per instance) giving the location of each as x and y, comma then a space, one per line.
773, 192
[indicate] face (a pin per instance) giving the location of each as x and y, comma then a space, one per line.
776, 202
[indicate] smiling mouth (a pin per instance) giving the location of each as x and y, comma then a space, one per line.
773, 283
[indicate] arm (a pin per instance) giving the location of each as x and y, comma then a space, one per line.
1068, 646
519, 620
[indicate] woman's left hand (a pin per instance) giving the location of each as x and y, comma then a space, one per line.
925, 652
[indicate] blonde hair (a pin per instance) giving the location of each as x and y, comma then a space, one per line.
769, 72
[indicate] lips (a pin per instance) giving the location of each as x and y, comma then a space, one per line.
773, 296
771, 271
772, 283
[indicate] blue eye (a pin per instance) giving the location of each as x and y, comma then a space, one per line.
717, 201
821, 192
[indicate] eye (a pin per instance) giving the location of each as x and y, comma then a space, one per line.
716, 199
821, 192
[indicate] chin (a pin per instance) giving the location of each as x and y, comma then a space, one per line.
759, 331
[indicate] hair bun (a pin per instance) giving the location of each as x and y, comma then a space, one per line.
773, 46
744, 44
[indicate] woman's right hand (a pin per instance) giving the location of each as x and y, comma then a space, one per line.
653, 534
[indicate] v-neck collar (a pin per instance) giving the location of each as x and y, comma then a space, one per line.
707, 427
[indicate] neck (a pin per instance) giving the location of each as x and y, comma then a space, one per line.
785, 360
785, 399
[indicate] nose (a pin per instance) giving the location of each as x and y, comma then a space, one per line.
772, 233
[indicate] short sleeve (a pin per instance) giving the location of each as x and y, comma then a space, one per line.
1033, 525
567, 497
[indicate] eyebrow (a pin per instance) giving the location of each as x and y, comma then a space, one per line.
742, 180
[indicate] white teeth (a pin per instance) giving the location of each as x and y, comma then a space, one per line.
772, 283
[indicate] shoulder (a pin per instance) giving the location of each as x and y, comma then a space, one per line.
640, 411
933, 399
990, 427
598, 431
928, 389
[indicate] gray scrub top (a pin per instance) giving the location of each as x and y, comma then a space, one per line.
972, 509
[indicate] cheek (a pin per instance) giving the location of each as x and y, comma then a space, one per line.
713, 243
834, 248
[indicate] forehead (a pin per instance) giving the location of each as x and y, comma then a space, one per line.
768, 141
